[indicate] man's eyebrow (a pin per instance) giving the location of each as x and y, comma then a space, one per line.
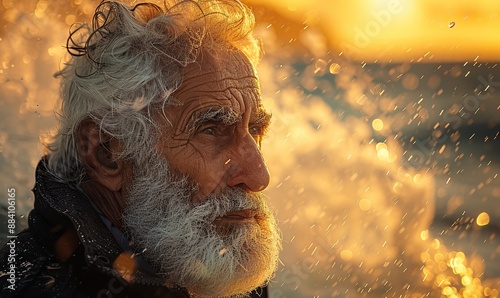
262, 120
262, 117
215, 115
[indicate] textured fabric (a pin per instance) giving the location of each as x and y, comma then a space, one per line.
67, 251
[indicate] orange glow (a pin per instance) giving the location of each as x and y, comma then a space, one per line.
125, 265
397, 30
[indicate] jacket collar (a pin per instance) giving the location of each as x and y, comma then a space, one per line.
100, 247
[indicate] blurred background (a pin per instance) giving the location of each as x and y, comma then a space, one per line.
384, 146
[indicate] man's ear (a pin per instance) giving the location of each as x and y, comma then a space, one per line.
98, 154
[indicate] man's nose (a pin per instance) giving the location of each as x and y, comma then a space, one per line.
247, 167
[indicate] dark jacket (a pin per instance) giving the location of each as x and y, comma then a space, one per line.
67, 251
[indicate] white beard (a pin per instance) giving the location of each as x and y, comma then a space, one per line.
182, 242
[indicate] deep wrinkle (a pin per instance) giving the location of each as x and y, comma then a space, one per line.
194, 117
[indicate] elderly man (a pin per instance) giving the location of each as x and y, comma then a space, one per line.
152, 186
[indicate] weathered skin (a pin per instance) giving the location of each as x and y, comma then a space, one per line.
226, 146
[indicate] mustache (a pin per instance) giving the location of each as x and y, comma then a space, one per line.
230, 200
234, 198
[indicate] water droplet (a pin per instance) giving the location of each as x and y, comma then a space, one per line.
320, 66
346, 255
334, 68
424, 235
410, 81
451, 24
483, 219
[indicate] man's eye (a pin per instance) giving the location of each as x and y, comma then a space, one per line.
254, 131
257, 133
217, 129
211, 130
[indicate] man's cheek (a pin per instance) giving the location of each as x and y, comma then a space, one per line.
210, 181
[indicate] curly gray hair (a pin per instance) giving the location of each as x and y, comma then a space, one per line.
128, 64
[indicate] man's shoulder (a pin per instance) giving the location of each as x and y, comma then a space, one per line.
28, 270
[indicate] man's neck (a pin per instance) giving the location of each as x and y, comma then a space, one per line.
110, 203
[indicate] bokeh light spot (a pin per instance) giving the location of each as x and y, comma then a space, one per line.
346, 255
70, 19
365, 204
377, 124
424, 235
334, 68
483, 219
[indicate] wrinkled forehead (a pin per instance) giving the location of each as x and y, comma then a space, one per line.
215, 72
219, 79
219, 65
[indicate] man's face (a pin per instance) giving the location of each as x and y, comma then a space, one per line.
213, 134
195, 209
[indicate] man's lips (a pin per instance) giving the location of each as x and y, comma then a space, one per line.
239, 216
